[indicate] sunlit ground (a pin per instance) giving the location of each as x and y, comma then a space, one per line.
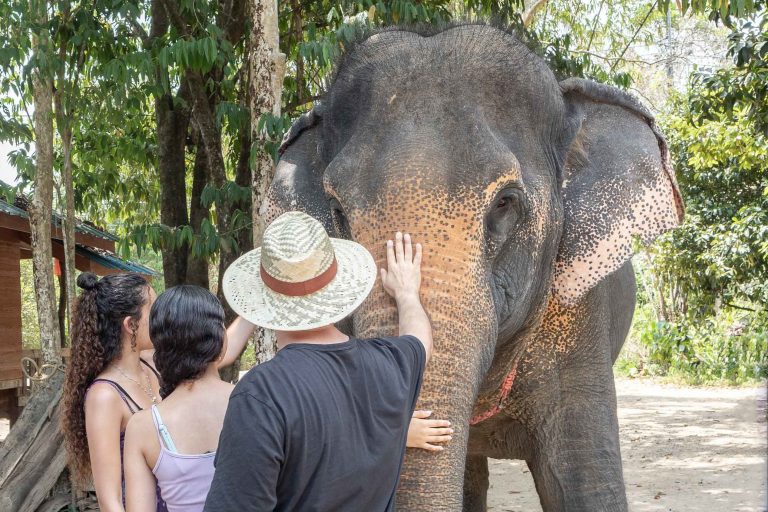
684, 449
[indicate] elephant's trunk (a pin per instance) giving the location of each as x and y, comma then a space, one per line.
457, 298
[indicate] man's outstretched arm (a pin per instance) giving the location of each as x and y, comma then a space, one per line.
402, 281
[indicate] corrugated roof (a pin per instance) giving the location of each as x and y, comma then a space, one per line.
109, 260
12, 210
57, 219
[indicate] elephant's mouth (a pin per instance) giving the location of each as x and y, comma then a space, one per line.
486, 408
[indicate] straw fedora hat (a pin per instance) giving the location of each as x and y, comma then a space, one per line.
299, 278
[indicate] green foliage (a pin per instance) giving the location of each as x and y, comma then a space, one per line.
30, 331
717, 134
717, 10
731, 347
710, 276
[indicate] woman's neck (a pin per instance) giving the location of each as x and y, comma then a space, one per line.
128, 360
210, 376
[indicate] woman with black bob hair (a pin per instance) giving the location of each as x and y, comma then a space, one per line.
172, 445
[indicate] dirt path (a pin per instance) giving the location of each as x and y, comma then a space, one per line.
684, 450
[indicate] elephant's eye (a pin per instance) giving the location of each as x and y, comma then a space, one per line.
504, 214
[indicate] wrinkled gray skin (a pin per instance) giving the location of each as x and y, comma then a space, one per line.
526, 193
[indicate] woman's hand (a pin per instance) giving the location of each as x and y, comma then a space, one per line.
424, 433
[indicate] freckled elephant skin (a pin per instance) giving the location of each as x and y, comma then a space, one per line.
527, 194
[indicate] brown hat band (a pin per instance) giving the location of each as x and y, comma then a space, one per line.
300, 288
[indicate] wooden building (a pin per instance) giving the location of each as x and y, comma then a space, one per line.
95, 252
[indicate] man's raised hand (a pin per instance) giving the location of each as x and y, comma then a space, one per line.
402, 277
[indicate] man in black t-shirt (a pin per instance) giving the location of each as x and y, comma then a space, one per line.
322, 426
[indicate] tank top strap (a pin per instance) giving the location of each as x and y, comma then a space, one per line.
157, 374
162, 431
127, 399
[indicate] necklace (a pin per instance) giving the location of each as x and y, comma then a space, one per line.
147, 389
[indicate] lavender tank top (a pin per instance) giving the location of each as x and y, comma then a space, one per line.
184, 480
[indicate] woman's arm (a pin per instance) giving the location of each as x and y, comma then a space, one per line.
140, 483
103, 417
423, 433
237, 336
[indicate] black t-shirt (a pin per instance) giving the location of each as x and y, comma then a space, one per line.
319, 428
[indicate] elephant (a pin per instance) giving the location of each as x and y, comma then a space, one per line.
528, 195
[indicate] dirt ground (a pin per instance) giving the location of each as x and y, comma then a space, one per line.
684, 449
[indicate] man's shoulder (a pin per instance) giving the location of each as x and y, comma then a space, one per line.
407, 351
255, 379
394, 342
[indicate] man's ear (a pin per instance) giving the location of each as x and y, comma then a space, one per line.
298, 182
617, 185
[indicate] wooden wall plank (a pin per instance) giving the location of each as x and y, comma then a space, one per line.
10, 311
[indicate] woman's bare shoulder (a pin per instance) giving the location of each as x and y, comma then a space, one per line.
102, 394
140, 425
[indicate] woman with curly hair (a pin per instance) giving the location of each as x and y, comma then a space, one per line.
110, 377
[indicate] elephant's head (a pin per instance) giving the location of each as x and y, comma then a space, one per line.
517, 185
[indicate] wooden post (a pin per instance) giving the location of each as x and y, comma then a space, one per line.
10, 320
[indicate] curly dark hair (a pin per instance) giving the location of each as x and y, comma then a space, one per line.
186, 325
96, 342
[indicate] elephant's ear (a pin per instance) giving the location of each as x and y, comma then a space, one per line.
298, 182
618, 185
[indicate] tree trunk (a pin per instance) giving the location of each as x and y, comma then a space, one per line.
40, 208
172, 117
266, 78
267, 69
33, 457
63, 99
68, 225
243, 179
197, 268
172, 124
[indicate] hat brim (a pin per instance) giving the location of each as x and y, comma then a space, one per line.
250, 298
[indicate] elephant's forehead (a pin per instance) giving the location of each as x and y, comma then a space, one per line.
422, 162
437, 214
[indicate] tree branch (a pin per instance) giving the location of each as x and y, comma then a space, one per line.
177, 20
139, 32
632, 39
528, 15
743, 308
594, 24
292, 106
